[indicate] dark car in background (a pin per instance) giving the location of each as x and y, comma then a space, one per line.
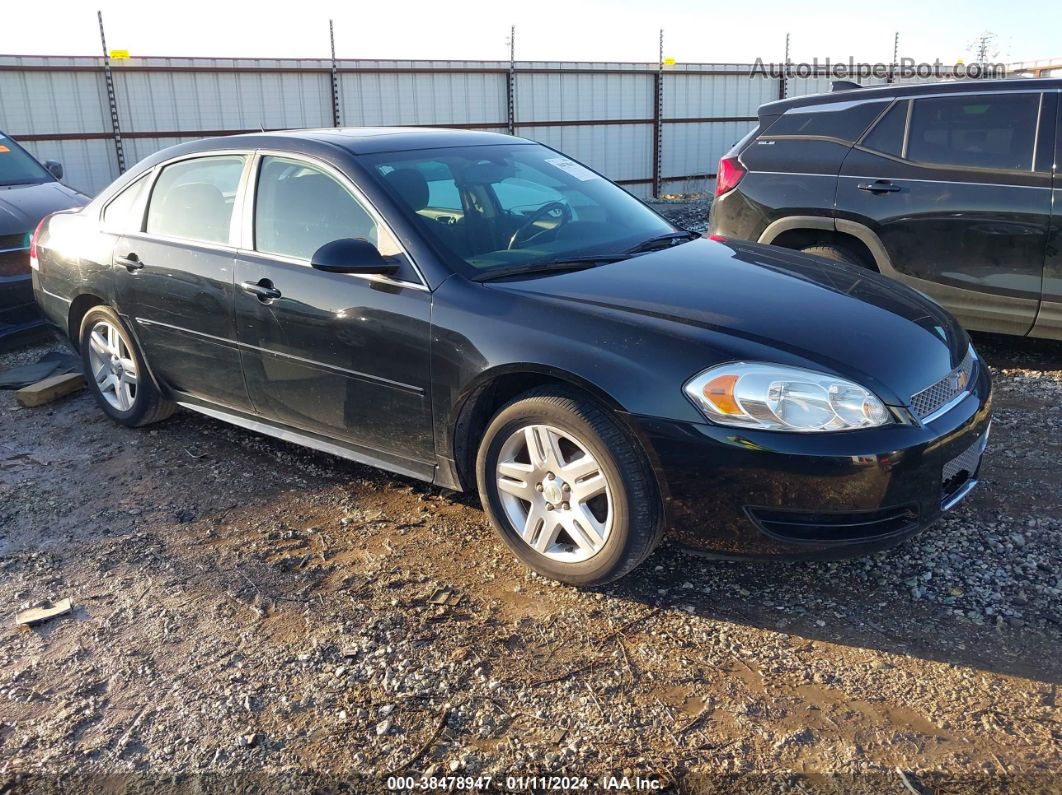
951, 188
28, 192
482, 312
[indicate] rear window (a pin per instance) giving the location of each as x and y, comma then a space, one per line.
119, 216
844, 120
994, 131
887, 135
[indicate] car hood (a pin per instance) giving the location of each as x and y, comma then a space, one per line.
23, 206
749, 301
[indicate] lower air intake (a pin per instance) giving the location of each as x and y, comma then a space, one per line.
853, 526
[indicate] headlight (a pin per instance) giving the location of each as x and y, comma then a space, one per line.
778, 398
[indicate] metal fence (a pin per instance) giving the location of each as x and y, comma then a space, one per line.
655, 129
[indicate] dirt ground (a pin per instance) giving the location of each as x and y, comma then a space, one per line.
252, 616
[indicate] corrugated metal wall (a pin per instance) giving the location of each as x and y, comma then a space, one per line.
605, 114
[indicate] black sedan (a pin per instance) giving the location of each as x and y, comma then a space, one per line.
28, 192
480, 311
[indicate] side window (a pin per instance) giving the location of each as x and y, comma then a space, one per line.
193, 199
124, 213
844, 120
299, 208
887, 135
991, 131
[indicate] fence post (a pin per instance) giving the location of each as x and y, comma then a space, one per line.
336, 117
510, 89
895, 57
119, 149
783, 88
658, 117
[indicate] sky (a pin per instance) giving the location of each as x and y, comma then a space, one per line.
578, 30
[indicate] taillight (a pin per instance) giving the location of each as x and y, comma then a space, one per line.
34, 264
728, 175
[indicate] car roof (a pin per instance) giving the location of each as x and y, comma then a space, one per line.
364, 140
324, 142
890, 90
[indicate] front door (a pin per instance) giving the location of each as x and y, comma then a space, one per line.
335, 354
174, 280
955, 191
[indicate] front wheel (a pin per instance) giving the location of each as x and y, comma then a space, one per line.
567, 489
116, 373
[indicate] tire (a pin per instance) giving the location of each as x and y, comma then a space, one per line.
839, 252
597, 539
126, 395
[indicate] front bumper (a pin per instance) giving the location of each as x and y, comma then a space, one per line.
734, 492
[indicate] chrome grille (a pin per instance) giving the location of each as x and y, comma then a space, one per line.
946, 389
966, 461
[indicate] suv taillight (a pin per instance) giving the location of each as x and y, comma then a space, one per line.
728, 175
34, 264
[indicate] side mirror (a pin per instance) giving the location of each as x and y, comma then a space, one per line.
55, 168
351, 255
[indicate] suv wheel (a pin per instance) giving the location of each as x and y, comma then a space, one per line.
115, 371
568, 491
839, 252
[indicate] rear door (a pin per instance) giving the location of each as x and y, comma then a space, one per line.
337, 354
174, 278
954, 189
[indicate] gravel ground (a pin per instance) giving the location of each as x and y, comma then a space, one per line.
252, 616
691, 215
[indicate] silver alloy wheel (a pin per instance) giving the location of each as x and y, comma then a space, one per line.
112, 364
554, 493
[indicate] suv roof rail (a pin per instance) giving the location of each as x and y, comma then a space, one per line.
845, 85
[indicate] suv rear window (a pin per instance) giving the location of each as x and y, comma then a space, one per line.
887, 135
843, 120
993, 131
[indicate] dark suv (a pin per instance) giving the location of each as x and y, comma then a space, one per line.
947, 187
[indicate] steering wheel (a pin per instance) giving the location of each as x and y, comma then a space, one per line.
537, 215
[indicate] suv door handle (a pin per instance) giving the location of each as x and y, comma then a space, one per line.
131, 262
878, 186
263, 288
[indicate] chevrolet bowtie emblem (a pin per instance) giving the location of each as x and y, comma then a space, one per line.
958, 381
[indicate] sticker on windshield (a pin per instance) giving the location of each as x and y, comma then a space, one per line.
579, 172
4, 148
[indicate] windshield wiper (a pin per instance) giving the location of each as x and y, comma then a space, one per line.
656, 242
565, 264
584, 260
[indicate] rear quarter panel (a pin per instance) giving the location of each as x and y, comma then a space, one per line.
75, 259
785, 177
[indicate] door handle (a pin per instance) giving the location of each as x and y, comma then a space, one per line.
263, 289
878, 186
131, 262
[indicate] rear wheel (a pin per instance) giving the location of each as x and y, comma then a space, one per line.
839, 252
568, 491
115, 371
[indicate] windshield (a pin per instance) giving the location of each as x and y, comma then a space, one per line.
501, 207
17, 167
